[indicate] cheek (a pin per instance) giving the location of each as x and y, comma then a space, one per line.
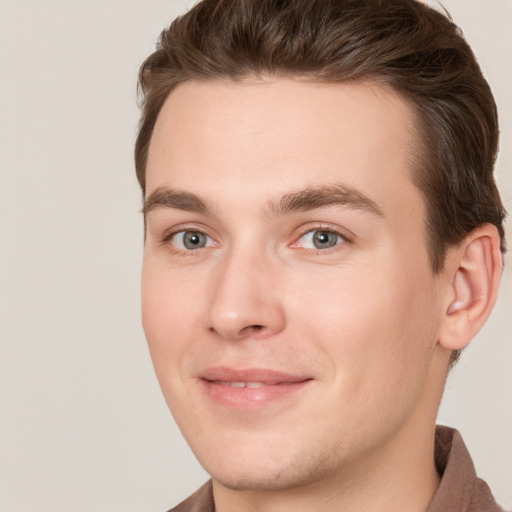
375, 326
348, 305
169, 315
170, 318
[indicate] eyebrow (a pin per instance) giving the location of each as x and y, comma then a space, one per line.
168, 198
294, 201
330, 195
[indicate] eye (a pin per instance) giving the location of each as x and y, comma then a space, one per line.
191, 240
320, 239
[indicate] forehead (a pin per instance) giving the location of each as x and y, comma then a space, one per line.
268, 137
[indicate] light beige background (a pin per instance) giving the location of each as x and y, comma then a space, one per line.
82, 424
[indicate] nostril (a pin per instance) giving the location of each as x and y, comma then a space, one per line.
253, 329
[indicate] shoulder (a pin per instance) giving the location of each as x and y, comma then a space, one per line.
482, 499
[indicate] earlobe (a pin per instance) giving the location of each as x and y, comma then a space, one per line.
474, 271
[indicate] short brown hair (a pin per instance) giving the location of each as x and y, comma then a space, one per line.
403, 43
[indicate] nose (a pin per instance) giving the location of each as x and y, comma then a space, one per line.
244, 301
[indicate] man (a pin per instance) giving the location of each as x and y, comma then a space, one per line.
323, 237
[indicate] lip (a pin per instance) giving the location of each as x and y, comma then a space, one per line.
224, 386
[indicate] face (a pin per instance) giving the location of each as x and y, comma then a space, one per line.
288, 300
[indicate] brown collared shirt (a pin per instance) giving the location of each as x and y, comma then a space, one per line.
460, 489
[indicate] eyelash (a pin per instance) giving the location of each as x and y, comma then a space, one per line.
168, 236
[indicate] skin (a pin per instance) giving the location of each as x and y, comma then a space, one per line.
361, 319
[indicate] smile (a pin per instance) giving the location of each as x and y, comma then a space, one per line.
250, 389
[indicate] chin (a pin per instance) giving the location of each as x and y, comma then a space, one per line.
251, 483
278, 471
264, 481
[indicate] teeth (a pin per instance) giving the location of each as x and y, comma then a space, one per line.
254, 384
242, 384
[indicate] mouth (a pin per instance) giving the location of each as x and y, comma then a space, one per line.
250, 388
240, 384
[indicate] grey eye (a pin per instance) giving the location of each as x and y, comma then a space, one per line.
320, 239
191, 240
325, 239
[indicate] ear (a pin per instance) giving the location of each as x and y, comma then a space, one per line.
473, 269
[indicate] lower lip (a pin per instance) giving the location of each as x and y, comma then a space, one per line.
251, 398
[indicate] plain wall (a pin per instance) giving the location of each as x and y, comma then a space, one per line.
83, 426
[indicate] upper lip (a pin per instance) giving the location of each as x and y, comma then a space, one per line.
263, 375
